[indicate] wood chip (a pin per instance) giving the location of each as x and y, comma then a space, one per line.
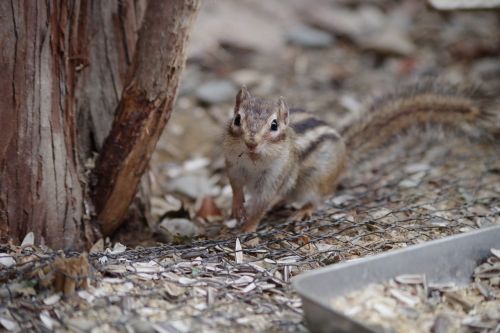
410, 279
238, 252
6, 260
48, 321
29, 240
496, 252
9, 324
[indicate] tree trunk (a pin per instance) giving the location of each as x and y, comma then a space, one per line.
64, 65
145, 107
39, 168
113, 30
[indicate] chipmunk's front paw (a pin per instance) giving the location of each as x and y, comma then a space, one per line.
303, 213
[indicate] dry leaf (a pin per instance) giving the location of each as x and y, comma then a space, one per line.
97, 247
303, 239
208, 209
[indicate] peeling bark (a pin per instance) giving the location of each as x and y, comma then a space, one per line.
110, 40
144, 109
39, 177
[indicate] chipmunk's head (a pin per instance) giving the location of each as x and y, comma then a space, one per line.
259, 124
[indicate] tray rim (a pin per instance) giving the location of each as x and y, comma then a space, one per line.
299, 280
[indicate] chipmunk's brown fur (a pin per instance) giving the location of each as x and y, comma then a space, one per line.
471, 110
282, 155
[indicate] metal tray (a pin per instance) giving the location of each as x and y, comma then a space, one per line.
451, 259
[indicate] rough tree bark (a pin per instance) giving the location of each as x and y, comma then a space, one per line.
144, 109
39, 169
64, 65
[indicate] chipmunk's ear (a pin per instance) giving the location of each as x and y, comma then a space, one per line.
242, 95
283, 112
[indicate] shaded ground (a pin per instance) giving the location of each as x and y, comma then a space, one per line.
422, 187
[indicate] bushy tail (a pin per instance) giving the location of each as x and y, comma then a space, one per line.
471, 110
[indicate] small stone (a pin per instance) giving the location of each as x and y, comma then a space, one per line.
342, 199
368, 27
181, 227
193, 186
142, 326
417, 167
388, 41
52, 299
196, 164
464, 4
336, 21
231, 224
309, 37
79, 324
409, 183
216, 91
248, 77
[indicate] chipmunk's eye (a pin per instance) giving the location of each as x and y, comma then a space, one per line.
274, 125
237, 120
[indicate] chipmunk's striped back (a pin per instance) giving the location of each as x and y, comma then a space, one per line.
311, 132
321, 153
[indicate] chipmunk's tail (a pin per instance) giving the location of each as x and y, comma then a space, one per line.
472, 111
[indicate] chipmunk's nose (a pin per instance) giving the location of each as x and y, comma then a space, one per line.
251, 145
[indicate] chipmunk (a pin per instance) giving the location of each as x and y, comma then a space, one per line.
282, 155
